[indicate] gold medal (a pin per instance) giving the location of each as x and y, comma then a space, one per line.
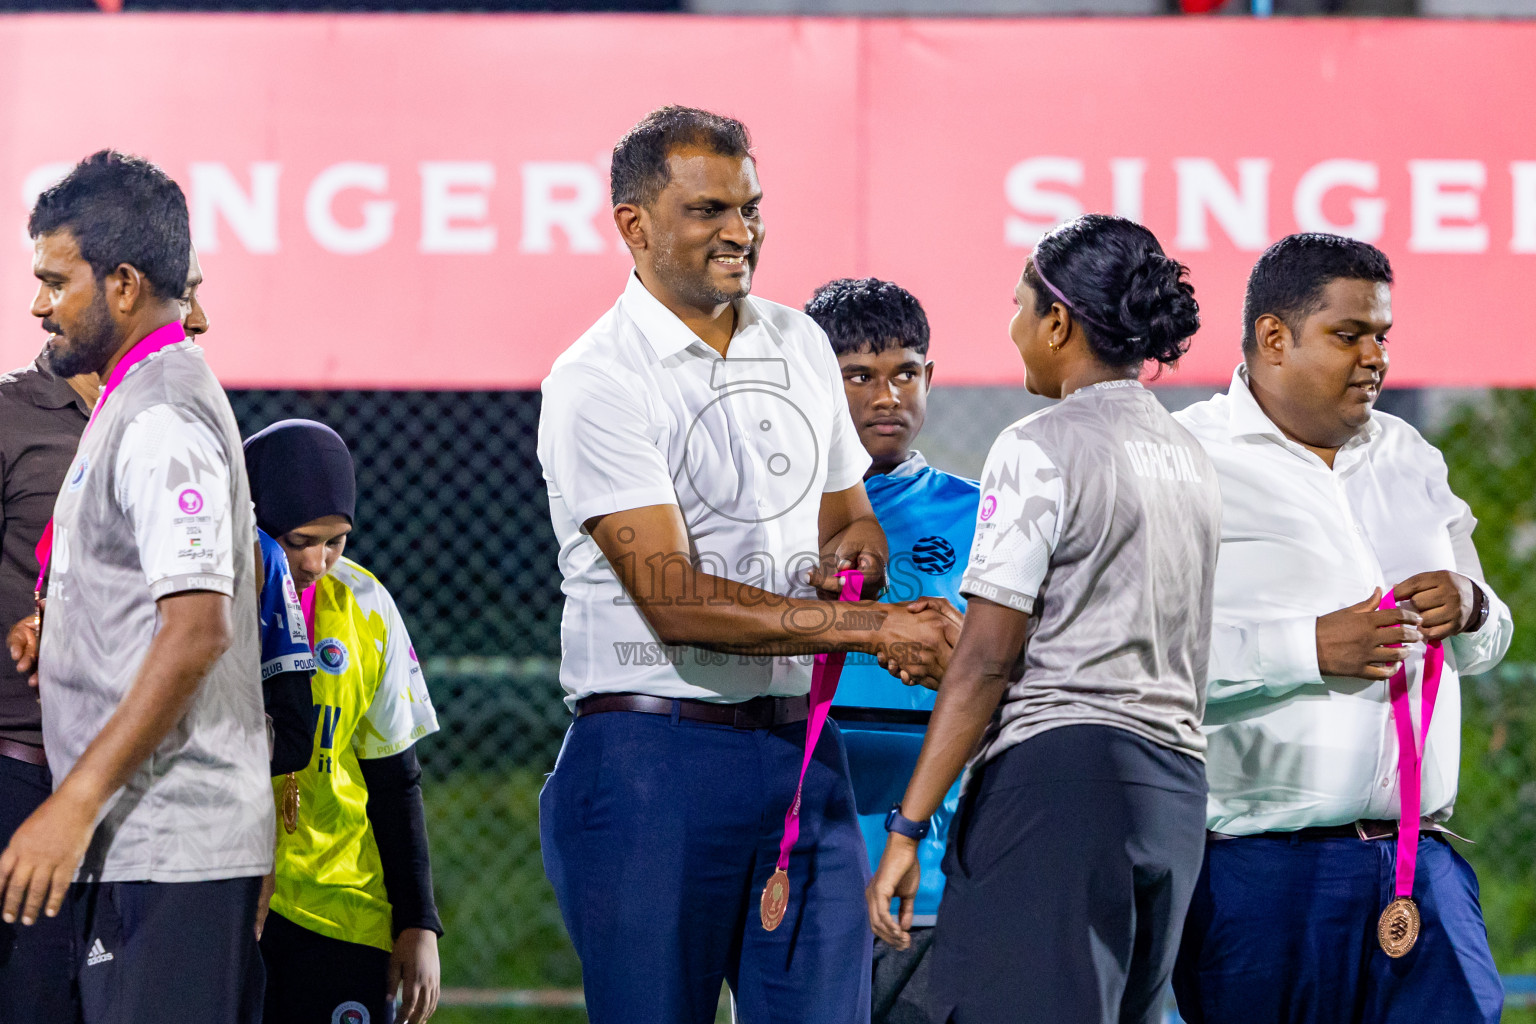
775, 900
291, 804
1398, 928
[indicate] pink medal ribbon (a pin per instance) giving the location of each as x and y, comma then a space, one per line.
154, 341
1398, 928
824, 677
307, 605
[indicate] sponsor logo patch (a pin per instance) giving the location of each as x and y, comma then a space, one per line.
77, 478
933, 555
98, 954
331, 656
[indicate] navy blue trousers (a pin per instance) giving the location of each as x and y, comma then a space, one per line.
659, 835
1283, 931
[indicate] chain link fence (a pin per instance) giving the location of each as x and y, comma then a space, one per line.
453, 517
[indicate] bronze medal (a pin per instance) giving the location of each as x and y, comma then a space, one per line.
775, 900
291, 804
1398, 928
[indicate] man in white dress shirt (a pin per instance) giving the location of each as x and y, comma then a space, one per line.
1326, 506
705, 480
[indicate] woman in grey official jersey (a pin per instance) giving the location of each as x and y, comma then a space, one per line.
1080, 835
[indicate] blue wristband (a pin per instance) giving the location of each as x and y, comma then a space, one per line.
896, 822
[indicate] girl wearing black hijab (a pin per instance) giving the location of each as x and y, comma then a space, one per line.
352, 915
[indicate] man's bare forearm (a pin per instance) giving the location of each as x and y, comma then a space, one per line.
194, 634
700, 610
829, 543
650, 551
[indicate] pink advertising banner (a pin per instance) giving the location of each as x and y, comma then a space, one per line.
421, 201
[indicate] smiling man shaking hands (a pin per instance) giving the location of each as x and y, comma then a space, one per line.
705, 481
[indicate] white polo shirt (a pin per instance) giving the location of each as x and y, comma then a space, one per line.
640, 412
1288, 747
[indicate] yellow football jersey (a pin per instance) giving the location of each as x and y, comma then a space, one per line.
373, 703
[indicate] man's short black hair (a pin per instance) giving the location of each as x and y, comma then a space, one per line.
867, 314
121, 209
1289, 279
640, 169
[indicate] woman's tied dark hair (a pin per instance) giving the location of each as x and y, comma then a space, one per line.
1131, 300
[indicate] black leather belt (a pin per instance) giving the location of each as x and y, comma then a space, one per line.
23, 752
1365, 828
881, 716
757, 713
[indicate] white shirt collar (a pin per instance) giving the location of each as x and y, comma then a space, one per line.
1246, 419
666, 334
912, 465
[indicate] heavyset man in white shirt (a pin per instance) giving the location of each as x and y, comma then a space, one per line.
704, 478
1326, 505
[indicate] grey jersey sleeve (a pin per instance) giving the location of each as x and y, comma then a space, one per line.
1017, 526
174, 485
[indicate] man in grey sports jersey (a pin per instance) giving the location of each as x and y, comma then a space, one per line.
152, 712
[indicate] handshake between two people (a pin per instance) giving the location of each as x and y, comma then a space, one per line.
668, 578
912, 640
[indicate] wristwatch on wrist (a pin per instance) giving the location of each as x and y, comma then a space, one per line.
904, 826
1479, 610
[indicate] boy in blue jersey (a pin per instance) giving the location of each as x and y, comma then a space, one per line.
880, 335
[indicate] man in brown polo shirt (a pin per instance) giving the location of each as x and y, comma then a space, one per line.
42, 417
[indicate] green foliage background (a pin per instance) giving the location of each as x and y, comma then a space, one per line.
1490, 449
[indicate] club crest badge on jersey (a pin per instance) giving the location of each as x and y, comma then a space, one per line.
77, 478
350, 1012
933, 555
331, 656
